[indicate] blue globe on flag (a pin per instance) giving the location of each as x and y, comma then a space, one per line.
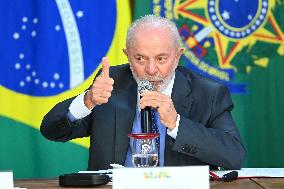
48, 47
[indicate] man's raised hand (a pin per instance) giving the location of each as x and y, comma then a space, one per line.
101, 88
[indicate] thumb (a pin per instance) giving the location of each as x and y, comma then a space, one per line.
105, 67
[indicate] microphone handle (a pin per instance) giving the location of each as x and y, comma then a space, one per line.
146, 120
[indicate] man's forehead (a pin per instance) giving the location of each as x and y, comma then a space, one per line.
155, 39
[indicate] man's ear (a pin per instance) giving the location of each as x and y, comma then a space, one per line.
180, 51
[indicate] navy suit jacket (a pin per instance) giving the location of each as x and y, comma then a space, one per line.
207, 134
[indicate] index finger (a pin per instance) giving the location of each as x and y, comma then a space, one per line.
105, 67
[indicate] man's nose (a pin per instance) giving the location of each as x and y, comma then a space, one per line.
151, 68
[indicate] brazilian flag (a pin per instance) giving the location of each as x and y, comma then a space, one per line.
50, 51
239, 43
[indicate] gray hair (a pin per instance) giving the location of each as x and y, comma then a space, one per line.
152, 21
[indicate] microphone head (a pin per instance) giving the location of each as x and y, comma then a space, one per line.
145, 85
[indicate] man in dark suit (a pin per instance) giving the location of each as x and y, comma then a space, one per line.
196, 127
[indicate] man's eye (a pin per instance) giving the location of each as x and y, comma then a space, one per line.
162, 59
140, 59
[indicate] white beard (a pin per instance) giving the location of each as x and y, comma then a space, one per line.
162, 82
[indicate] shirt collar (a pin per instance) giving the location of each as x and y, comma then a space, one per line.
169, 88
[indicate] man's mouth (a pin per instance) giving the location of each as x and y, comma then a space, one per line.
154, 82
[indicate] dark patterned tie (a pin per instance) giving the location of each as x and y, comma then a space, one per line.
155, 129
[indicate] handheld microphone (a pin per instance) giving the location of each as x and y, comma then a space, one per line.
146, 116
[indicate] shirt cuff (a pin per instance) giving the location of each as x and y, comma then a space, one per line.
173, 132
77, 108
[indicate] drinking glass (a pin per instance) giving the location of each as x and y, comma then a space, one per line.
144, 149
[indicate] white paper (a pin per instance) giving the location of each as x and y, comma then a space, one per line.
161, 178
6, 180
255, 172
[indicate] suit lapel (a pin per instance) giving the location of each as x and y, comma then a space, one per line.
125, 113
182, 99
181, 94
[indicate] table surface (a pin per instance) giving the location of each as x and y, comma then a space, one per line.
252, 183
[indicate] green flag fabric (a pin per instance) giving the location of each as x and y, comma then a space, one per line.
50, 51
239, 43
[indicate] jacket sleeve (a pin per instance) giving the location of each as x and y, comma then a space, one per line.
57, 127
218, 141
